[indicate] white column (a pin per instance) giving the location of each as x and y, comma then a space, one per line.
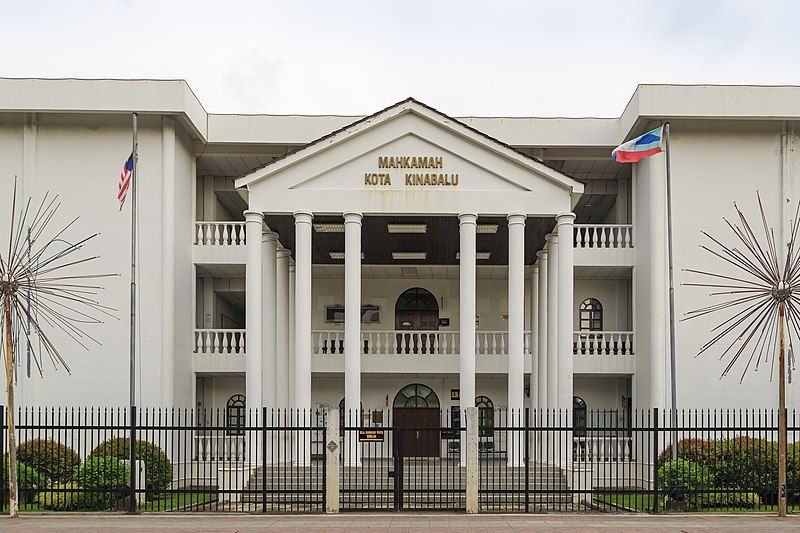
565, 224
533, 306
253, 224
282, 330
552, 322
167, 262
516, 319
290, 314
467, 225
516, 311
302, 328
541, 347
352, 332
268, 341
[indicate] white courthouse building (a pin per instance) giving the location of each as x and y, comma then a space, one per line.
403, 259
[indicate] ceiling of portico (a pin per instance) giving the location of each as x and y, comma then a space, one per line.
440, 242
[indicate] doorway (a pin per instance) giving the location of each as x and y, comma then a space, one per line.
417, 421
416, 310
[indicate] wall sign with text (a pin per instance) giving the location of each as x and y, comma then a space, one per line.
414, 171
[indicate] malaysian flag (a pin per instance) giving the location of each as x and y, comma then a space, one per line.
125, 182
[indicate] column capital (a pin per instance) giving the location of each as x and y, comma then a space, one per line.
352, 217
291, 265
541, 255
467, 218
565, 218
516, 218
303, 217
551, 238
268, 236
283, 253
254, 216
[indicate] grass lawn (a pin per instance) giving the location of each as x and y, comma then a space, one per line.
644, 503
176, 501
166, 502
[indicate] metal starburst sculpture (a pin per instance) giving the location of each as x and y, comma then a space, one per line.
42, 293
762, 297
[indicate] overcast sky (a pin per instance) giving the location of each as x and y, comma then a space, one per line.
540, 58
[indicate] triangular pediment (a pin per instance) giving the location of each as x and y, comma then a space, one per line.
409, 146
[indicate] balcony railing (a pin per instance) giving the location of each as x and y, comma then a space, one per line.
603, 236
597, 343
219, 233
228, 341
389, 342
604, 447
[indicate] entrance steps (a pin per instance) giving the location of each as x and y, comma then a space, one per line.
428, 483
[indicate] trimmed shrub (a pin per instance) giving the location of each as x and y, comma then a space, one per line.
158, 475
684, 480
29, 481
698, 450
55, 460
101, 476
63, 497
737, 500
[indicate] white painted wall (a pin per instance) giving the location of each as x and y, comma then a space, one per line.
491, 301
712, 168
79, 157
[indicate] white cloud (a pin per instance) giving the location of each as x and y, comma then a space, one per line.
352, 57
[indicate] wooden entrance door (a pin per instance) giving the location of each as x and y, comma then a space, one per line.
416, 310
418, 429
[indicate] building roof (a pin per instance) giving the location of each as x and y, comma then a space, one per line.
175, 97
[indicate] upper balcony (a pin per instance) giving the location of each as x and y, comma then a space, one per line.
219, 242
604, 245
595, 244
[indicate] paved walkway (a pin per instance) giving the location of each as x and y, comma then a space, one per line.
427, 523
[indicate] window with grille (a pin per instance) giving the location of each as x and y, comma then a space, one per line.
235, 415
591, 315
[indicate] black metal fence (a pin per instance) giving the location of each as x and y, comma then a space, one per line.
400, 459
618, 461
184, 460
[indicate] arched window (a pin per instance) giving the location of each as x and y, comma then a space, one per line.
591, 315
235, 413
485, 416
416, 395
416, 299
579, 416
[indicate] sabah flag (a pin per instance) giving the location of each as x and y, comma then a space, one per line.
637, 149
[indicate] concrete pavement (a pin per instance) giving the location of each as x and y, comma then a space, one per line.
427, 523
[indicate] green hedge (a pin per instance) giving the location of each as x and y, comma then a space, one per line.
742, 463
158, 474
101, 476
55, 460
63, 497
29, 480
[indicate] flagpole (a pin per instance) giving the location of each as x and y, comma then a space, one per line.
134, 186
673, 386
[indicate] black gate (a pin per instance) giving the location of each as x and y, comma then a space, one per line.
398, 468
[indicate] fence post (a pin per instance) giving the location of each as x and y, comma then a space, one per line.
471, 451
333, 450
132, 508
655, 460
526, 458
264, 445
3, 488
